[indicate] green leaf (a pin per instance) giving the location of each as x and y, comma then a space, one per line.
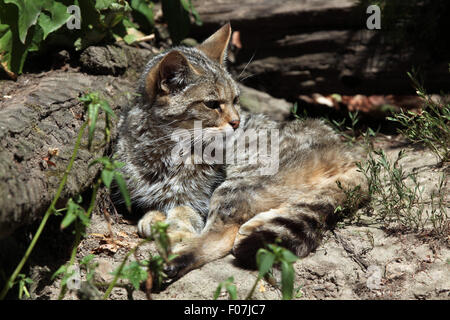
12, 51
265, 261
61, 269
288, 256
188, 6
123, 189
231, 288
144, 8
92, 116
129, 38
218, 290
159, 233
58, 17
74, 211
29, 12
107, 108
22, 285
6, 43
177, 18
104, 4
107, 177
287, 280
87, 259
68, 219
134, 273
118, 164
106, 161
172, 256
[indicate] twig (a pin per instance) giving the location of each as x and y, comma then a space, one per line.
142, 39
145, 38
351, 252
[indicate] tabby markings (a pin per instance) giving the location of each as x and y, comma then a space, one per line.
235, 147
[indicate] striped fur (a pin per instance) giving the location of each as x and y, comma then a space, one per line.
216, 209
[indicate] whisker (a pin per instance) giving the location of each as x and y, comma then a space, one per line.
249, 76
243, 70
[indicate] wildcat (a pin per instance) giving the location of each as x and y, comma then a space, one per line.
217, 208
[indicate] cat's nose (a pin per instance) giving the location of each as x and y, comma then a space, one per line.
234, 124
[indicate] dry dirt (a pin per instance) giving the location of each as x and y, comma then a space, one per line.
353, 261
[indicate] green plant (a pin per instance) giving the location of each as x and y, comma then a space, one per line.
397, 198
38, 25
151, 270
24, 26
266, 259
229, 286
27, 26
23, 281
273, 255
295, 112
351, 201
298, 292
438, 212
93, 103
430, 126
350, 133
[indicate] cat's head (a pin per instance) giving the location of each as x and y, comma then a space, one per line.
184, 85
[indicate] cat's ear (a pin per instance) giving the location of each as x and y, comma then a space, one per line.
215, 47
170, 74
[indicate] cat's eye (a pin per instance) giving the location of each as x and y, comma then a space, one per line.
212, 104
236, 100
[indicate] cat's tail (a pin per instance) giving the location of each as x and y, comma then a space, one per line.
298, 228
297, 225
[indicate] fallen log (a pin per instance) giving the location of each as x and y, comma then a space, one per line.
39, 120
289, 48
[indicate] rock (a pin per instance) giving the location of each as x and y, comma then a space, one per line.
259, 102
103, 272
421, 293
74, 281
374, 276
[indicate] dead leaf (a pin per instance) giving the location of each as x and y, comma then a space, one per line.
123, 234
10, 74
105, 248
49, 162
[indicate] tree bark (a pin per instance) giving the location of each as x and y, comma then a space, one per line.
41, 115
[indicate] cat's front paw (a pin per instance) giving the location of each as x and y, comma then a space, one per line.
181, 265
146, 222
